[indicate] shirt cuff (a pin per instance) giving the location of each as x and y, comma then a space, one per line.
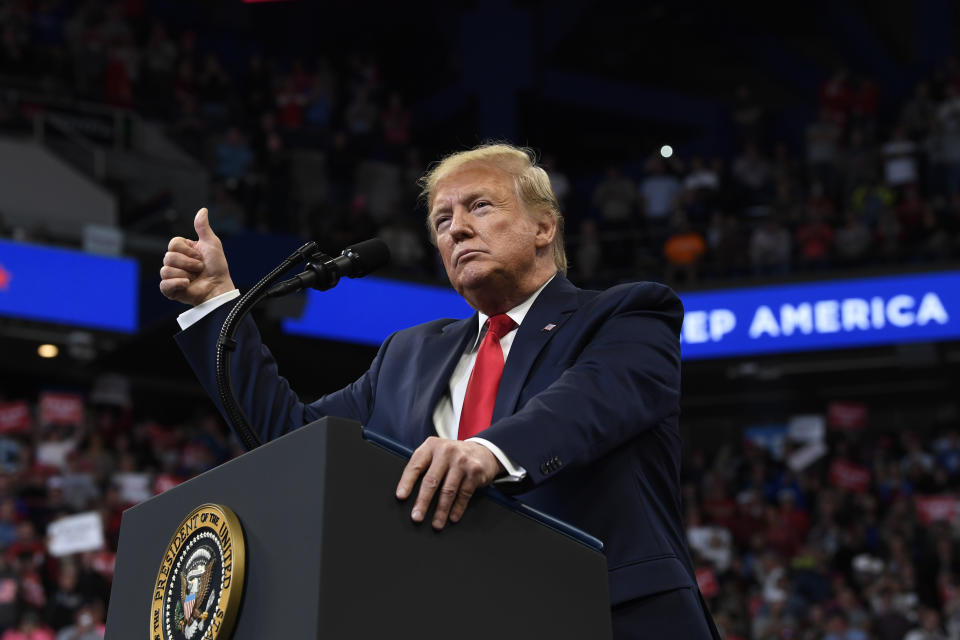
515, 473
190, 316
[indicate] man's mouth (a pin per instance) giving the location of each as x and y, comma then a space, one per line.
465, 254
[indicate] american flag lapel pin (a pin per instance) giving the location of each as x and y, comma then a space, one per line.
549, 327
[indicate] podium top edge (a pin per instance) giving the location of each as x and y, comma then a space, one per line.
568, 530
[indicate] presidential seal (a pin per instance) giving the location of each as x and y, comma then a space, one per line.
200, 582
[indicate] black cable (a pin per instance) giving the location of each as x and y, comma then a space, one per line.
226, 344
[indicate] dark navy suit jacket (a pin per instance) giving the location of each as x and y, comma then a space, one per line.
589, 408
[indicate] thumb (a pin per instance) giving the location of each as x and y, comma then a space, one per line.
201, 223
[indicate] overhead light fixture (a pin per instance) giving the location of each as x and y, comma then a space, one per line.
48, 351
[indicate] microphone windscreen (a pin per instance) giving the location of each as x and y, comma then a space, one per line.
368, 256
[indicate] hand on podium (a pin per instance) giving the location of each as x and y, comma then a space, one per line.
457, 468
195, 271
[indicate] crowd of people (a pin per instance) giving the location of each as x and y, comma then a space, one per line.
848, 539
856, 541
862, 190
825, 529
66, 454
872, 180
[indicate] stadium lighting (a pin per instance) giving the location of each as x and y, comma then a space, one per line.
48, 351
666, 151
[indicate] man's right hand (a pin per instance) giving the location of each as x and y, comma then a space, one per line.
195, 271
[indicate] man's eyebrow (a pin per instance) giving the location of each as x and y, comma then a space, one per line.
469, 196
476, 193
439, 207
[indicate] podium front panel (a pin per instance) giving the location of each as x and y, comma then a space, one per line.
331, 553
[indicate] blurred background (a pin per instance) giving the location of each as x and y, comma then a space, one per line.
792, 171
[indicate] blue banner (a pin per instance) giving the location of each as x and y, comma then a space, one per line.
68, 287
369, 310
823, 315
724, 323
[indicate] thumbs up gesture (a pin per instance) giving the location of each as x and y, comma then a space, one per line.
195, 270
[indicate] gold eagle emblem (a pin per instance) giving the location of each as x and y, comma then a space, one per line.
195, 612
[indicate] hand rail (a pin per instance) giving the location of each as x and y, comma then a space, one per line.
42, 121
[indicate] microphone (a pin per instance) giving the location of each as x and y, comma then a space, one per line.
323, 272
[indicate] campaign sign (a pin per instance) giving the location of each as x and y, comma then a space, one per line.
707, 582
940, 508
60, 408
75, 534
849, 476
847, 415
722, 323
68, 287
821, 315
15, 417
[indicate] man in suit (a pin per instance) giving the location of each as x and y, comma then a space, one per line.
567, 398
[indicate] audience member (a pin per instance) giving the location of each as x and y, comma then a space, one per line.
29, 628
753, 174
234, 158
684, 250
814, 241
852, 241
900, 159
614, 198
823, 143
658, 192
770, 247
120, 57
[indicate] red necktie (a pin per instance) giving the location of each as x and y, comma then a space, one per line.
484, 379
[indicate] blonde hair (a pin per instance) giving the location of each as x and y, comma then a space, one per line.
530, 181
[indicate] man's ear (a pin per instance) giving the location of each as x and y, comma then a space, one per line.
546, 229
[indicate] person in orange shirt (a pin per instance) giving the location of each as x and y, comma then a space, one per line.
684, 250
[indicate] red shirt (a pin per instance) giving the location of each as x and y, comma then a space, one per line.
41, 633
815, 240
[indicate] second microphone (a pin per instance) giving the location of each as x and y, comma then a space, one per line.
323, 272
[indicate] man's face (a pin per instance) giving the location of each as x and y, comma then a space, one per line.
486, 239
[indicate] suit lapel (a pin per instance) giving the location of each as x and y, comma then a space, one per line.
439, 356
553, 306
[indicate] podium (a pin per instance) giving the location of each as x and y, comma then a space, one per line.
331, 553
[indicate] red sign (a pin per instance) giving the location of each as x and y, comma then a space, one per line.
14, 417
707, 581
936, 508
61, 408
846, 415
165, 481
849, 476
104, 562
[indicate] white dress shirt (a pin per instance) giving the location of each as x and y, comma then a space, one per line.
191, 316
446, 415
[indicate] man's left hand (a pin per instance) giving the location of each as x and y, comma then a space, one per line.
455, 468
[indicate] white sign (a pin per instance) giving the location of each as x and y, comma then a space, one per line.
805, 456
74, 534
807, 428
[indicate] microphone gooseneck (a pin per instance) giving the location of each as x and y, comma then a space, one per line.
322, 273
